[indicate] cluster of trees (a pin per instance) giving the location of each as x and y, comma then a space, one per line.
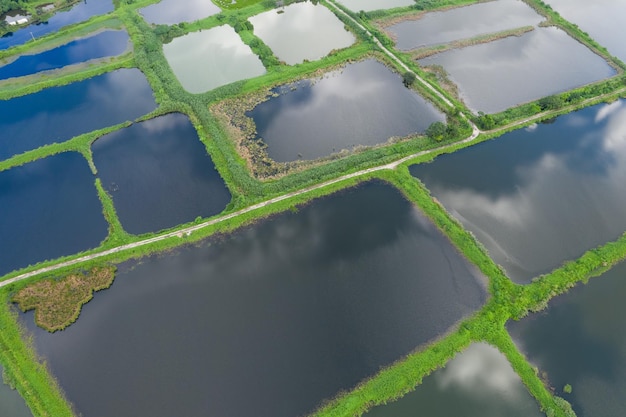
8, 5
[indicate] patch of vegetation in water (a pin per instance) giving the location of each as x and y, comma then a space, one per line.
57, 303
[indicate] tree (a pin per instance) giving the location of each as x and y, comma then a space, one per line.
408, 78
436, 131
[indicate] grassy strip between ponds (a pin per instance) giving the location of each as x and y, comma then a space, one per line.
57, 303
24, 371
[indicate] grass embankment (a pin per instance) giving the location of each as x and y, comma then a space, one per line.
23, 369
57, 303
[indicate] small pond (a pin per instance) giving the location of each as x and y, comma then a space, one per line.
11, 403
159, 174
539, 196
301, 31
48, 208
497, 75
369, 5
170, 12
462, 23
580, 340
478, 382
60, 113
363, 103
211, 58
604, 20
82, 11
105, 44
270, 320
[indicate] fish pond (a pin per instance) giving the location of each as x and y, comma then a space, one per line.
60, 113
11, 404
105, 44
159, 174
539, 196
48, 208
80, 12
604, 20
267, 321
478, 382
301, 31
438, 28
580, 341
170, 12
211, 58
369, 5
363, 103
497, 75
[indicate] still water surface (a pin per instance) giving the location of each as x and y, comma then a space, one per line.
497, 75
580, 340
369, 5
462, 23
539, 196
105, 44
159, 174
48, 208
302, 31
11, 403
604, 20
170, 12
478, 382
81, 12
361, 104
211, 58
267, 321
60, 113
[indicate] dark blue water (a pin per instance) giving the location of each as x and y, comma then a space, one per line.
580, 340
539, 196
159, 174
105, 44
60, 113
48, 208
79, 13
362, 104
267, 321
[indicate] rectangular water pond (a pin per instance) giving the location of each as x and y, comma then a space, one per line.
11, 404
268, 321
60, 113
443, 27
369, 5
364, 103
104, 44
542, 195
478, 382
580, 341
159, 174
171, 12
48, 208
211, 58
301, 31
80, 12
507, 72
604, 20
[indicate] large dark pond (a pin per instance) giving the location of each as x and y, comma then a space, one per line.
478, 382
497, 75
104, 44
580, 340
361, 104
60, 113
270, 320
170, 12
82, 11
48, 208
542, 195
11, 404
159, 174
462, 23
